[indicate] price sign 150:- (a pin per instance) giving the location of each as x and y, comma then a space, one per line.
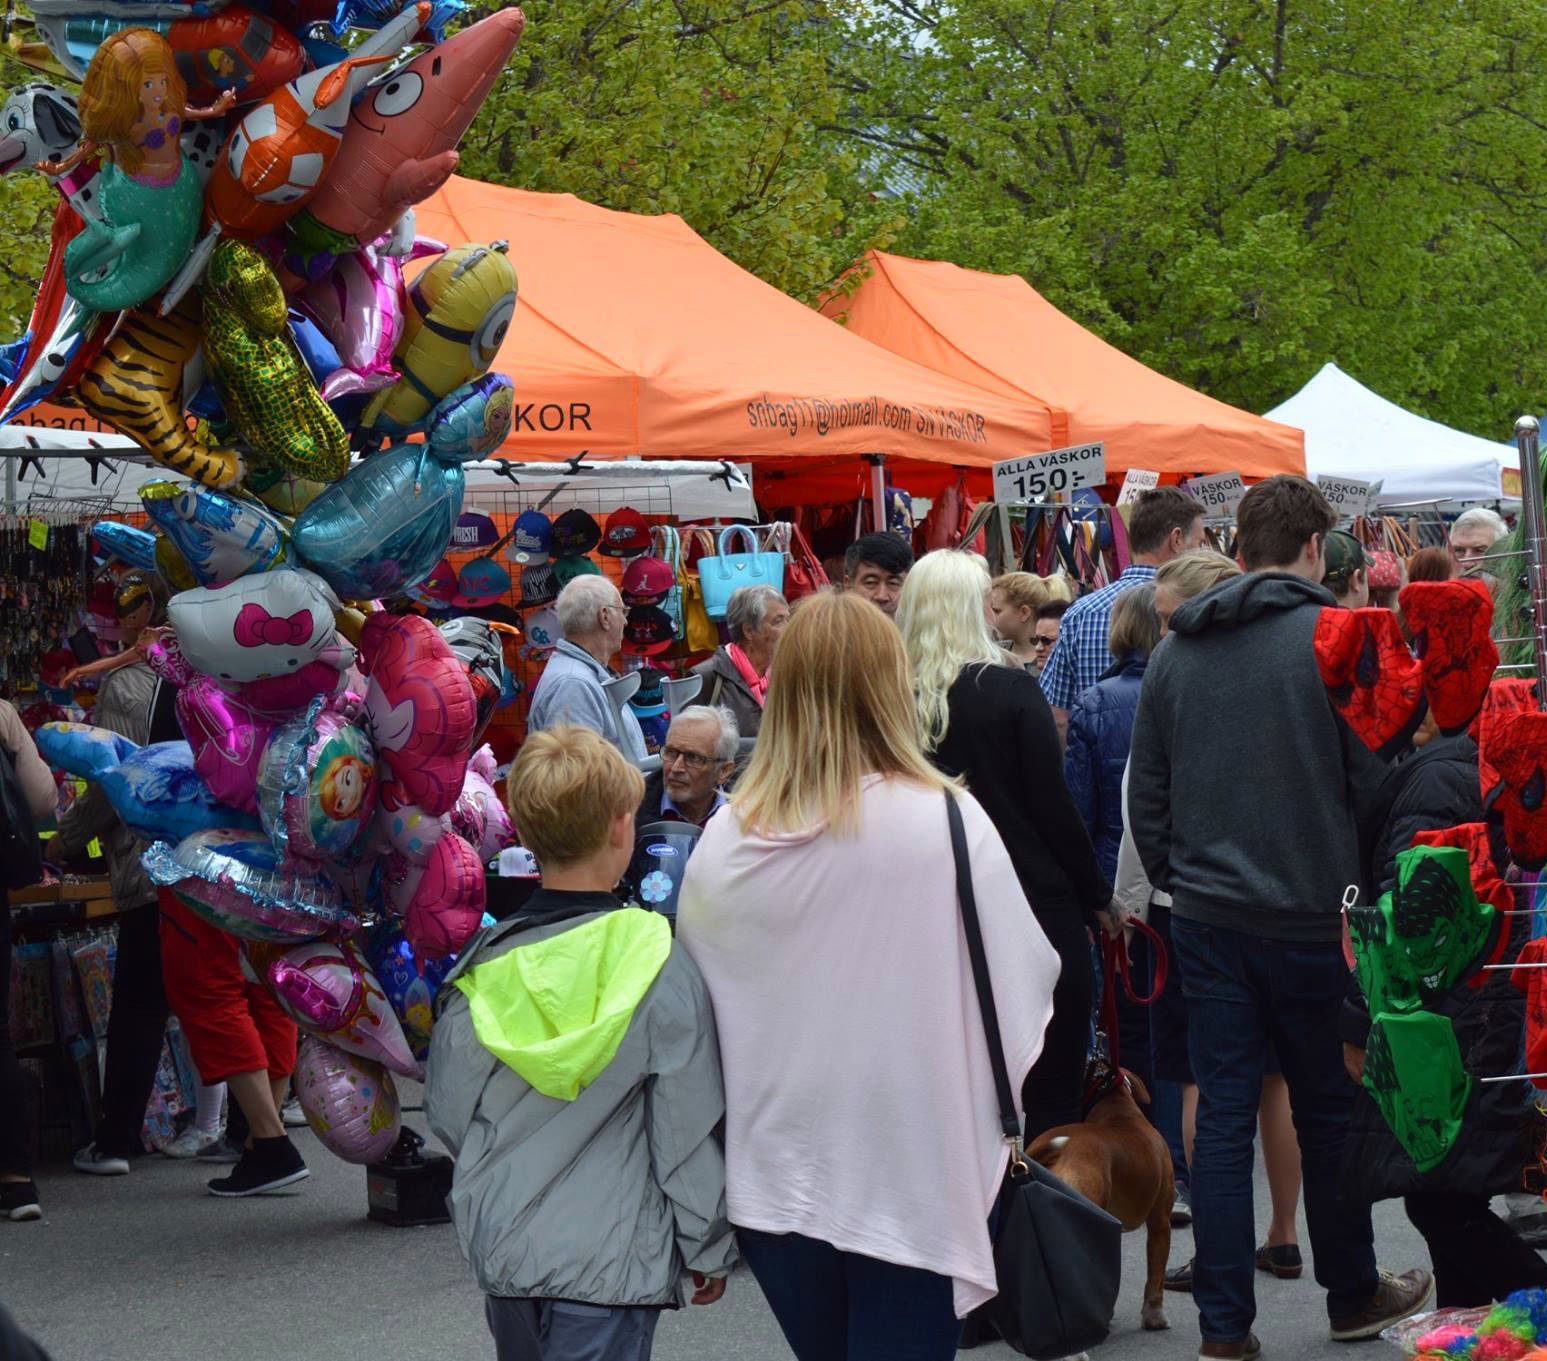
1050, 476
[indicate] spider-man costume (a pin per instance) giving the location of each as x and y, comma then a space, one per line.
1373, 680
1520, 800
1533, 983
1449, 622
1505, 699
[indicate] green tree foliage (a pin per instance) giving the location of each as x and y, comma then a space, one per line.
707, 108
1236, 191
27, 203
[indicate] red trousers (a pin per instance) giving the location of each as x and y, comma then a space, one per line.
233, 1026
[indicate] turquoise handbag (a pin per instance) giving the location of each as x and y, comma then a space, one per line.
722, 576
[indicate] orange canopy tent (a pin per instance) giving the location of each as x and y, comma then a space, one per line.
634, 336
997, 332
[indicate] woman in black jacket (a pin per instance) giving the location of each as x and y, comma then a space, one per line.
1477, 1257
984, 718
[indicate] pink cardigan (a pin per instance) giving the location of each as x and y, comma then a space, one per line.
860, 1106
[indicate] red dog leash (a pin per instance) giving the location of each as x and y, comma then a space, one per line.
1115, 964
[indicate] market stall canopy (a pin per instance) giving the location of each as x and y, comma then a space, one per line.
62, 452
634, 336
1353, 432
997, 332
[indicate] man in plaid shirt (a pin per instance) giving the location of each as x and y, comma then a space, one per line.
1165, 523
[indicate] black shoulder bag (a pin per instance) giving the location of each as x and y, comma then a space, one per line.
1058, 1256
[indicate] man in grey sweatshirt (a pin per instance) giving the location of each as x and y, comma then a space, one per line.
1242, 795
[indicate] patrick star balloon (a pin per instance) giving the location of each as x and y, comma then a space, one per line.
330, 991
400, 145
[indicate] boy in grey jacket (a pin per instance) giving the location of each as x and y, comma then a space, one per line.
574, 1073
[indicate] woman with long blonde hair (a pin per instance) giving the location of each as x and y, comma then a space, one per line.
983, 718
863, 1149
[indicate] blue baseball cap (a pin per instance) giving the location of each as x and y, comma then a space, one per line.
531, 538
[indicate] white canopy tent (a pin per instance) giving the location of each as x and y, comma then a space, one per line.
1353, 432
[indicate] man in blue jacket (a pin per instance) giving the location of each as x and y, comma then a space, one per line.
1242, 794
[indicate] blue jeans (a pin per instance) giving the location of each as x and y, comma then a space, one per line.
840, 1306
1241, 991
557, 1330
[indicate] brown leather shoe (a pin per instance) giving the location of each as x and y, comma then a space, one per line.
1395, 1298
1246, 1349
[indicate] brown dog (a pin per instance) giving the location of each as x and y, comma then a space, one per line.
1117, 1159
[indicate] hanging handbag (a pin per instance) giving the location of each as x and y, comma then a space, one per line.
803, 573
666, 544
18, 841
1058, 1256
697, 628
722, 576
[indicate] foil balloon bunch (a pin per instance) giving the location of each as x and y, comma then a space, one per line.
329, 803
236, 192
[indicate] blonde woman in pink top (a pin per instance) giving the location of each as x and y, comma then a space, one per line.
863, 1148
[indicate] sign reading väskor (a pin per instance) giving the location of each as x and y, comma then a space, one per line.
1219, 493
1051, 476
1350, 495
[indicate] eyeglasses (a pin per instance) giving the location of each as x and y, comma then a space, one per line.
691, 759
1040, 643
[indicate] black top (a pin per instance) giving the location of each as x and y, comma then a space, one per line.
1002, 740
553, 905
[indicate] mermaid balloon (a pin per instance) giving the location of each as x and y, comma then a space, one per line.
134, 104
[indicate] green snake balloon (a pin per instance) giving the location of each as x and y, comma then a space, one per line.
268, 392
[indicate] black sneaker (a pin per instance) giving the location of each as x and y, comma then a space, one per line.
269, 1165
19, 1201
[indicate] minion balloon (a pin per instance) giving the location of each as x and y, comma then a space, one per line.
461, 310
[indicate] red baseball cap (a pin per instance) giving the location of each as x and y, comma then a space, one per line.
626, 534
646, 581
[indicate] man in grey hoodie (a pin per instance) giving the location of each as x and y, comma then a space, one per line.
1242, 792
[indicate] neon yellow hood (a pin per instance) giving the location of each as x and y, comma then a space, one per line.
557, 1010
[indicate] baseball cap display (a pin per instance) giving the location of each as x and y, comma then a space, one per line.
647, 581
440, 587
481, 582
567, 569
542, 633
473, 530
574, 533
530, 538
647, 632
538, 586
627, 534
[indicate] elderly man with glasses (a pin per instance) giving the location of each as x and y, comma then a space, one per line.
699, 756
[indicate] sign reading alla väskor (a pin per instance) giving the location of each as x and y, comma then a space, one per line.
1051, 476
